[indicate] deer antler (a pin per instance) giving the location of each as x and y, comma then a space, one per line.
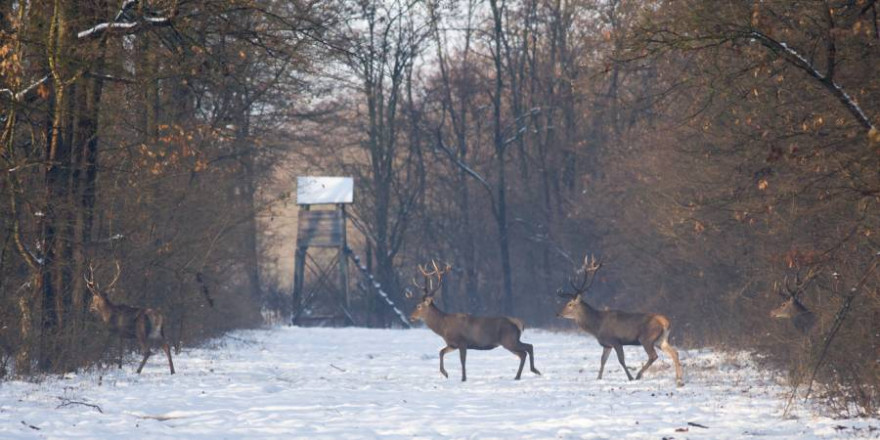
590, 267
559, 292
409, 293
799, 284
591, 264
90, 278
778, 289
115, 277
437, 272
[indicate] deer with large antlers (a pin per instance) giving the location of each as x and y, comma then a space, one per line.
613, 329
791, 307
144, 325
462, 332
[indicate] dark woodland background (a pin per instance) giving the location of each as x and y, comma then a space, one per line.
706, 151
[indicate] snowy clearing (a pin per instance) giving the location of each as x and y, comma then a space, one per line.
290, 382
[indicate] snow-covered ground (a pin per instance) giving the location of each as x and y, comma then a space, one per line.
290, 382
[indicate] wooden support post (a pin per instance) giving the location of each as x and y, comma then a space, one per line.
343, 262
299, 275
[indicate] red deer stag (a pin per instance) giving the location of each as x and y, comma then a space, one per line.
126, 322
614, 329
462, 332
792, 308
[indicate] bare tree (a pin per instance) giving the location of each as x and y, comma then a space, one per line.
381, 44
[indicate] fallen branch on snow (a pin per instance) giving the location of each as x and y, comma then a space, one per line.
68, 402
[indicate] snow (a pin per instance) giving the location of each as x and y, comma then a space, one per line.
21, 95
312, 190
157, 20
103, 27
290, 382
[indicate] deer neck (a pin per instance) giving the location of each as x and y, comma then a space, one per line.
103, 307
434, 318
799, 308
588, 318
802, 318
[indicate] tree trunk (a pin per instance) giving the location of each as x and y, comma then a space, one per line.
500, 147
249, 196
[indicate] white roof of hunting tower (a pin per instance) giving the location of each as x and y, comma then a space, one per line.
312, 190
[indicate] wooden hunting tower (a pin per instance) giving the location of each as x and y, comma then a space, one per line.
320, 278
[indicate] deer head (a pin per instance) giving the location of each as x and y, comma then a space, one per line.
790, 294
590, 267
428, 288
785, 310
791, 307
99, 296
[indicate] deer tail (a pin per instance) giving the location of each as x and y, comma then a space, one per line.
156, 324
518, 323
664, 336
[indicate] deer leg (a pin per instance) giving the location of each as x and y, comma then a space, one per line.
668, 349
145, 349
443, 352
530, 349
179, 336
120, 351
619, 349
521, 350
605, 352
146, 356
522, 362
463, 353
106, 352
167, 351
652, 356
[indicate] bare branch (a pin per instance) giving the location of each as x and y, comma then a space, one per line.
796, 59
126, 27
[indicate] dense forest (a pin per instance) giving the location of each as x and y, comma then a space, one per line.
718, 157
